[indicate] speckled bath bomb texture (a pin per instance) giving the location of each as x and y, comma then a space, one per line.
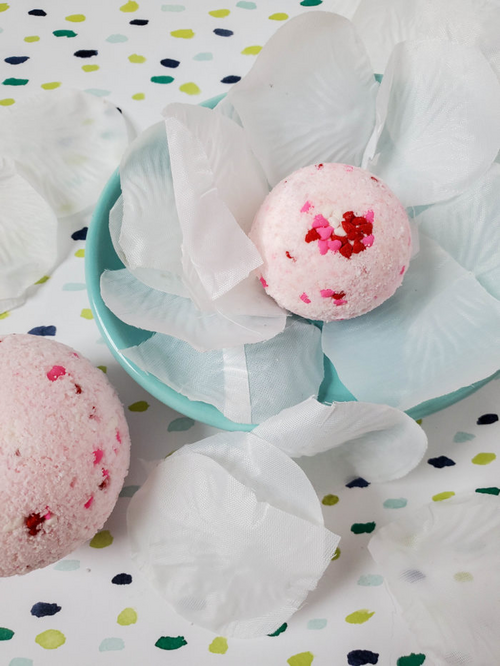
64, 451
335, 242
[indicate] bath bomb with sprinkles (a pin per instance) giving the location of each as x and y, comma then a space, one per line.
64, 451
335, 242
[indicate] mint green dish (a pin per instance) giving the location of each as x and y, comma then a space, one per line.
100, 255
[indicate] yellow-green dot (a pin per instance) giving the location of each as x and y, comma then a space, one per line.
190, 88
139, 96
463, 577
80, 253
443, 496
4, 6
419, 421
301, 659
252, 50
90, 68
4, 315
8, 101
138, 59
182, 34
279, 16
101, 539
126, 617
32, 38
43, 279
86, 313
75, 18
484, 458
329, 500
51, 85
218, 645
130, 6
336, 555
103, 368
139, 406
219, 13
360, 616
51, 639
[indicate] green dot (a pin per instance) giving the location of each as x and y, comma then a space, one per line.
5, 634
162, 79
301, 659
279, 16
80, 253
50, 639
252, 50
90, 68
336, 555
190, 88
463, 577
443, 496
127, 616
75, 18
360, 616
51, 86
219, 13
138, 59
311, 3
4, 6
489, 491
15, 82
182, 34
279, 630
102, 539
140, 406
411, 660
43, 279
64, 33
483, 458
103, 368
32, 38
363, 528
330, 500
8, 101
4, 315
86, 313
218, 645
130, 6
170, 642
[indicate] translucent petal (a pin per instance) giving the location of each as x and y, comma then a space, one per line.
28, 236
247, 384
218, 189
468, 228
437, 121
66, 144
354, 439
438, 333
442, 564
138, 305
251, 543
310, 96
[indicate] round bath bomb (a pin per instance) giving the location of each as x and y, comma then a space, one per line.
64, 451
335, 242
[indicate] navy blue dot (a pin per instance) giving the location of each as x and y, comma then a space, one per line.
43, 330
357, 483
441, 461
16, 60
81, 234
122, 579
231, 79
85, 53
42, 609
362, 657
37, 12
139, 22
168, 62
223, 33
486, 419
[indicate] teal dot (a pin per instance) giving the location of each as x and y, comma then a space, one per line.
20, 661
246, 5
398, 503
461, 437
370, 580
74, 286
15, 82
162, 79
64, 33
172, 8
98, 92
117, 38
67, 565
320, 623
178, 425
203, 56
109, 644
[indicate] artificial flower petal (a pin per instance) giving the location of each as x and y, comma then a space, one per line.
218, 189
442, 564
66, 144
438, 125
438, 333
468, 228
140, 306
251, 543
310, 96
246, 384
353, 439
28, 236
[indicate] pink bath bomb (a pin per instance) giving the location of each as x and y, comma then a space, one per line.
335, 242
64, 451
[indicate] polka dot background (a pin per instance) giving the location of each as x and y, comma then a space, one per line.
93, 607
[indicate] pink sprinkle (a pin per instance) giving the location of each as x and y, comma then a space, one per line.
75, 354
325, 232
88, 503
334, 245
118, 437
115, 451
368, 240
349, 168
323, 246
305, 298
402, 270
326, 293
263, 282
306, 207
56, 372
369, 216
342, 301
105, 473
320, 221
98, 454
48, 515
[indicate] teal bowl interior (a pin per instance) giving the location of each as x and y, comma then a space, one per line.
100, 255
